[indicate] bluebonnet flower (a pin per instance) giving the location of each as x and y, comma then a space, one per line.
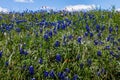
103, 28
61, 75
46, 37
40, 61
108, 38
58, 27
57, 44
64, 37
116, 28
18, 30
33, 79
6, 63
107, 47
91, 34
79, 39
103, 71
117, 56
67, 70
99, 53
50, 33
118, 47
97, 28
25, 52
86, 34
119, 40
112, 53
87, 28
55, 32
98, 73
70, 37
7, 28
46, 73
41, 30
89, 62
52, 74
36, 34
81, 65
21, 51
63, 27
31, 70
115, 43
58, 57
99, 34
0, 54
78, 57
75, 77
110, 29
96, 42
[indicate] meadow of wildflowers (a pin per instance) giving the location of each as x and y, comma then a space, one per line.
60, 45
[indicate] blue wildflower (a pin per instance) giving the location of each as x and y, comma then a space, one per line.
52, 74
33, 79
99, 34
78, 57
111, 53
89, 62
116, 28
41, 30
0, 54
86, 34
61, 75
98, 73
40, 61
119, 40
31, 70
70, 37
46, 73
79, 39
96, 42
25, 52
103, 71
67, 70
115, 43
63, 27
58, 57
46, 37
118, 47
87, 28
6, 63
103, 28
18, 30
81, 65
57, 44
110, 29
50, 33
107, 47
97, 28
21, 51
75, 77
99, 53
55, 32
91, 34
108, 38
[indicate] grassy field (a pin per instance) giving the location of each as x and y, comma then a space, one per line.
60, 45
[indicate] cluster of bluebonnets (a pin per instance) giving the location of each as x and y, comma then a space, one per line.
60, 45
